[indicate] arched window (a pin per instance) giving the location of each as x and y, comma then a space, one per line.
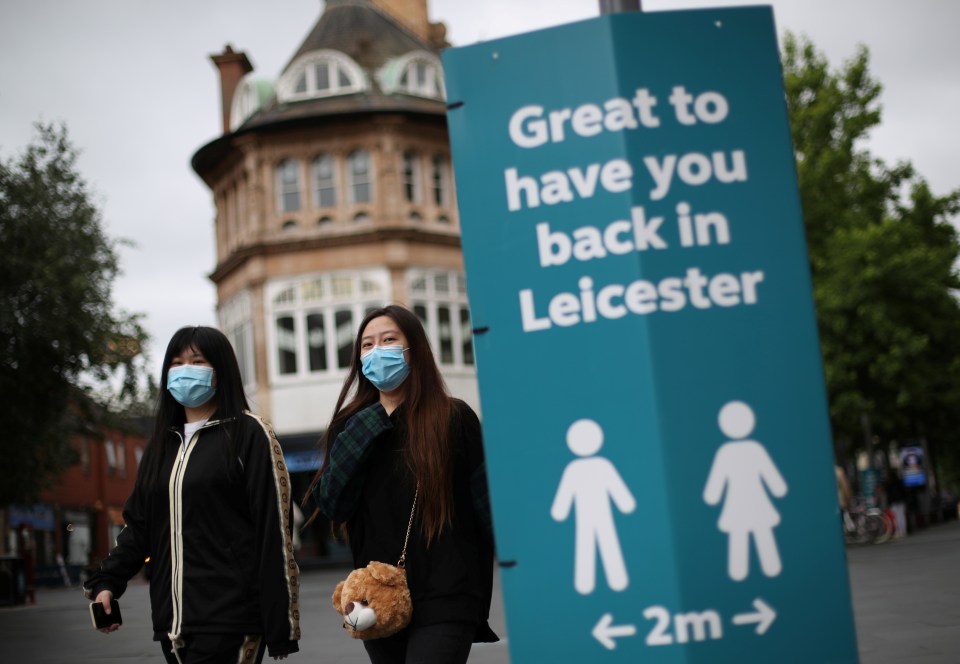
417, 73
252, 94
359, 177
324, 181
411, 177
288, 186
322, 73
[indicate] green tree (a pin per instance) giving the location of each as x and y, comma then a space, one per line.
58, 330
883, 258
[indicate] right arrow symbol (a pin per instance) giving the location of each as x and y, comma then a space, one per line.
764, 616
604, 631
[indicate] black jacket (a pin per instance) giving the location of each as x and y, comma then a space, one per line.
218, 533
367, 485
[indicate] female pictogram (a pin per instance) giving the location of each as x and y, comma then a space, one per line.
742, 475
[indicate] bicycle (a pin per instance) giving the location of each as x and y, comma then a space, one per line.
866, 525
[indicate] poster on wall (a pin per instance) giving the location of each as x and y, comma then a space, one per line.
912, 463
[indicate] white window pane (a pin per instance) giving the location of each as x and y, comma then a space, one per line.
342, 286
312, 290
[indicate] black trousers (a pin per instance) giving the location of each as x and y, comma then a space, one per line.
442, 643
215, 649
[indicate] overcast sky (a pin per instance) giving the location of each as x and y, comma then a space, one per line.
135, 86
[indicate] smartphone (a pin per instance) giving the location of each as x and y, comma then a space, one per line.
100, 618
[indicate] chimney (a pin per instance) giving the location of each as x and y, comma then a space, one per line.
233, 66
411, 13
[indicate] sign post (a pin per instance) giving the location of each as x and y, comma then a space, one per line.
658, 446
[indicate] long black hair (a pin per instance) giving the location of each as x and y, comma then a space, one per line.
230, 401
428, 411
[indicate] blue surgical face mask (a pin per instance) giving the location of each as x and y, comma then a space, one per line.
385, 367
191, 385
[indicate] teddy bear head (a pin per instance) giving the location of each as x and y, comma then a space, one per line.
374, 601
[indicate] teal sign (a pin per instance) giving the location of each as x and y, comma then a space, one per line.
658, 445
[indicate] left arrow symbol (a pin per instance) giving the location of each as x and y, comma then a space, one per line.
605, 631
764, 616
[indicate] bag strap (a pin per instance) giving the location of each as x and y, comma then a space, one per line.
403, 554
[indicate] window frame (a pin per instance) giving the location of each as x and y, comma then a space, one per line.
339, 66
326, 294
315, 188
440, 180
432, 299
281, 186
417, 73
352, 177
411, 176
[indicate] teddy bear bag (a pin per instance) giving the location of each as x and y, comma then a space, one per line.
375, 600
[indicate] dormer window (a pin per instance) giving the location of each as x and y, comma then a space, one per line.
251, 95
323, 73
422, 78
418, 73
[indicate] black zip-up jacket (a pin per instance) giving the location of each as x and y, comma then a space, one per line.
368, 485
218, 535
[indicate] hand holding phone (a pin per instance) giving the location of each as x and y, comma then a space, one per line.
102, 620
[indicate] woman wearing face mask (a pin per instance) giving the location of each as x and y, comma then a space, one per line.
401, 435
211, 509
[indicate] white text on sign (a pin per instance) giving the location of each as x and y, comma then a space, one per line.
534, 126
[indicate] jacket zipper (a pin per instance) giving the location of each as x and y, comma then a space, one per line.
176, 533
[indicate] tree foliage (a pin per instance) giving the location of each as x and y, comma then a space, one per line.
58, 329
883, 257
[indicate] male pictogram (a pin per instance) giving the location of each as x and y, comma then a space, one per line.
589, 484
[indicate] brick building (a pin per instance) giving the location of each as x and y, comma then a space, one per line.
75, 523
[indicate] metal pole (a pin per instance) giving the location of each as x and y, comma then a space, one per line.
618, 6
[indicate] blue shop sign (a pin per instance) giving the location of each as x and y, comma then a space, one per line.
38, 516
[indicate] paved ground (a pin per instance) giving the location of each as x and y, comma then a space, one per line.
906, 602
906, 598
